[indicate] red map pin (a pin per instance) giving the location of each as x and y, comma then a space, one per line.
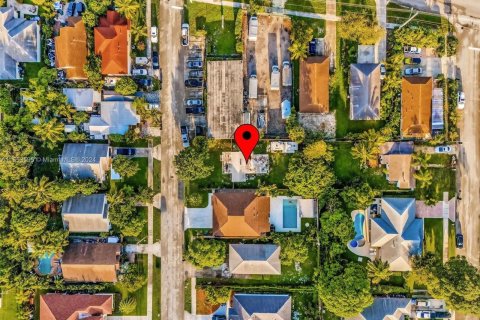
246, 137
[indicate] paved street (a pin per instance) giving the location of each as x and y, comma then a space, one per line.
381, 46
172, 95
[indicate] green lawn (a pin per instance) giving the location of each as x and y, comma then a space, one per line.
451, 239
207, 19
142, 237
9, 305
356, 6
157, 180
188, 295
157, 220
157, 288
434, 236
306, 6
138, 180
443, 180
443, 159
399, 14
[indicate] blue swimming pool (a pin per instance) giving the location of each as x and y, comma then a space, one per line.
45, 264
290, 213
359, 239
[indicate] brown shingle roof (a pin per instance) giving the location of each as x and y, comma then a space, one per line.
240, 214
91, 262
314, 75
71, 48
416, 107
68, 307
111, 42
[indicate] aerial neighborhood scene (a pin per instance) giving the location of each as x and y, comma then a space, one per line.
239, 159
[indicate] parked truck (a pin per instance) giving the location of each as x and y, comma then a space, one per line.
252, 87
275, 78
286, 74
253, 28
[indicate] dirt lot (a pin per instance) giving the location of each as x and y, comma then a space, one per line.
270, 48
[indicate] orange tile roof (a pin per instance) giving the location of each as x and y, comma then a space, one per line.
71, 48
240, 214
111, 42
55, 306
417, 107
314, 75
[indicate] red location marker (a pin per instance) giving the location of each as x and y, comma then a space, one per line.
246, 137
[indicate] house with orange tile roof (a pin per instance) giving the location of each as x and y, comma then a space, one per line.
240, 214
71, 48
416, 119
314, 76
112, 43
57, 306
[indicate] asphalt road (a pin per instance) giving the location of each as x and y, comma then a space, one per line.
172, 95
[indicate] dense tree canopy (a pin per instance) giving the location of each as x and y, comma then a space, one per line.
192, 163
319, 150
360, 27
359, 196
203, 253
294, 246
126, 86
125, 166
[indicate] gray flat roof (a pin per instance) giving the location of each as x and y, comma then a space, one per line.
91, 204
83, 153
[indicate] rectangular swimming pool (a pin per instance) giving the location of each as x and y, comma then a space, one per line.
289, 213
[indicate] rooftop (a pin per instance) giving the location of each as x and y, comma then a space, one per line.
54, 306
416, 107
254, 259
234, 163
91, 204
314, 91
247, 306
71, 48
365, 91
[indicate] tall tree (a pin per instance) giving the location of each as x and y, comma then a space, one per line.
378, 271
319, 150
128, 8
17, 155
203, 253
192, 164
360, 27
294, 247
51, 132
425, 177
125, 166
359, 196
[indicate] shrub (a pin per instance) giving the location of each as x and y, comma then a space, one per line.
126, 86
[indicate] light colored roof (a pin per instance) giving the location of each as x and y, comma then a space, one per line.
56, 306
437, 109
314, 91
261, 306
254, 259
399, 169
82, 99
387, 309
240, 214
18, 42
71, 48
416, 107
79, 160
111, 42
365, 91
224, 97
92, 204
115, 118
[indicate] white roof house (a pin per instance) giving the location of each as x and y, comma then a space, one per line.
82, 99
234, 163
86, 213
85, 161
115, 117
254, 259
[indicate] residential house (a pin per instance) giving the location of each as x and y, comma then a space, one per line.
416, 119
314, 92
254, 259
85, 161
437, 110
396, 233
91, 262
82, 99
71, 49
386, 309
251, 306
224, 97
234, 163
240, 214
397, 157
283, 146
60, 306
365, 91
112, 43
86, 213
115, 117
19, 42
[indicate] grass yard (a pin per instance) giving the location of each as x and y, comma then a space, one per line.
187, 295
443, 180
206, 19
8, 310
157, 288
157, 180
138, 180
306, 6
433, 236
142, 237
356, 6
399, 14
451, 239
442, 159
157, 220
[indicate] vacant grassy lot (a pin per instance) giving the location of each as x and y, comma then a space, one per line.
443, 180
434, 236
138, 180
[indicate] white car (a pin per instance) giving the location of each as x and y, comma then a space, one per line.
424, 314
461, 100
413, 50
139, 72
184, 132
443, 149
141, 61
413, 71
154, 34
185, 34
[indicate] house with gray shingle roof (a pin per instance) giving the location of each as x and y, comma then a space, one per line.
86, 213
254, 259
246, 306
365, 91
386, 309
19, 42
81, 161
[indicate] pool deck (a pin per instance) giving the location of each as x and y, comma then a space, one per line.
305, 209
363, 251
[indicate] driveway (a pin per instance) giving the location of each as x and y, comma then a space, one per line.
199, 217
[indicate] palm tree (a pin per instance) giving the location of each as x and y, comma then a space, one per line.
65, 110
424, 177
51, 132
378, 271
298, 50
128, 8
127, 305
420, 160
362, 151
138, 32
37, 192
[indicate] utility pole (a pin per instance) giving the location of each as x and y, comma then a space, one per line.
410, 19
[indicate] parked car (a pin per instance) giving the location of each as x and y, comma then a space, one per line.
154, 34
126, 151
412, 61
459, 241
141, 60
422, 303
185, 34
443, 149
193, 83
184, 132
195, 110
413, 50
71, 8
461, 100
413, 71
199, 131
139, 72
194, 102
195, 64
195, 73
144, 82
155, 63
383, 71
